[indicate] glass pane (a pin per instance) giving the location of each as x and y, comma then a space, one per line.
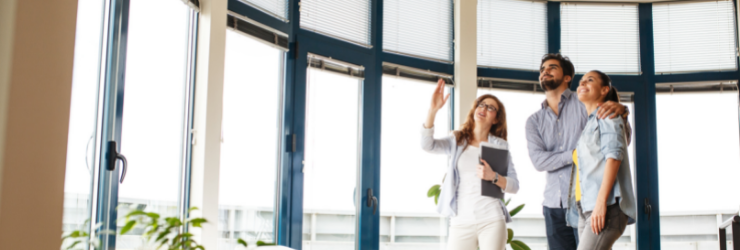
511, 33
418, 27
406, 207
250, 136
592, 32
347, 20
696, 171
81, 142
693, 36
331, 160
153, 111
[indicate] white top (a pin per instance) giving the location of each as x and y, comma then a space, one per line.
472, 207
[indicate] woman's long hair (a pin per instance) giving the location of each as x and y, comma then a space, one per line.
612, 95
499, 129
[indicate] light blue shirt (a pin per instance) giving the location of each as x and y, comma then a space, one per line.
600, 140
447, 205
551, 139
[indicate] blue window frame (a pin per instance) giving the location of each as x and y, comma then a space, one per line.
302, 42
110, 119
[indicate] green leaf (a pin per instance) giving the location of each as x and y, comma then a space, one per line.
173, 221
511, 235
242, 242
432, 191
262, 243
74, 234
135, 213
74, 244
154, 216
436, 198
516, 210
163, 242
197, 221
518, 245
161, 235
152, 230
199, 247
507, 202
192, 209
129, 225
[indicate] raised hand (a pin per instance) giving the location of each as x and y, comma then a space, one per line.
438, 97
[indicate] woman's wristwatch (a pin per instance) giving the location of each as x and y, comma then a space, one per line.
495, 179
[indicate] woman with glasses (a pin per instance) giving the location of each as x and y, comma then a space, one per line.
601, 187
476, 221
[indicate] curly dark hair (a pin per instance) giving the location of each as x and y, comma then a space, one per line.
565, 64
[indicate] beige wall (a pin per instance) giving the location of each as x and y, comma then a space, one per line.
38, 81
7, 22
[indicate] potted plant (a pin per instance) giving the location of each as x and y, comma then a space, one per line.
166, 232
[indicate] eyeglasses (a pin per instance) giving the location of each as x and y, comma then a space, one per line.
490, 108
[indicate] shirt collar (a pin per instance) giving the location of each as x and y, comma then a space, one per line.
594, 113
565, 96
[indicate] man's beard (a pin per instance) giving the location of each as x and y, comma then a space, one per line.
551, 84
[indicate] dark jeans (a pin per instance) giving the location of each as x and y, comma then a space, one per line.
559, 235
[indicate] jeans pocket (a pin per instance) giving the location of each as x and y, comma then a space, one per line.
615, 218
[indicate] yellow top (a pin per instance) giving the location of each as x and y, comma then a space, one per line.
578, 176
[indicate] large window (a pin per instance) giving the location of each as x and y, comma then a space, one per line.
154, 110
347, 20
418, 27
152, 118
694, 36
529, 224
81, 142
407, 216
698, 159
249, 146
602, 36
512, 33
331, 160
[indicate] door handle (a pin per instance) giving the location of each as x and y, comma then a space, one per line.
372, 201
112, 156
648, 209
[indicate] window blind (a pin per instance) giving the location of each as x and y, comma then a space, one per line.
421, 28
344, 19
277, 8
512, 33
694, 36
256, 30
415, 73
335, 66
601, 36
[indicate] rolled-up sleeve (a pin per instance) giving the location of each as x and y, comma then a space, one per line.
612, 135
512, 182
542, 159
435, 146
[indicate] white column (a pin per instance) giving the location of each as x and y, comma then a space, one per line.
207, 118
37, 41
466, 67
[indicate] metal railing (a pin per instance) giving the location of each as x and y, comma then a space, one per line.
735, 223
